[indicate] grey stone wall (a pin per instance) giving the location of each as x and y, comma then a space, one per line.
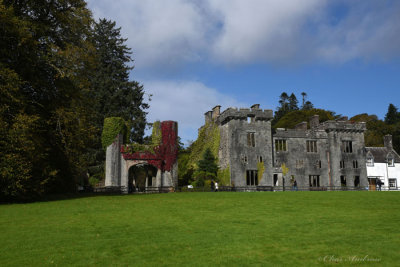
324, 161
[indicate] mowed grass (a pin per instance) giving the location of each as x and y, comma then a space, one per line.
223, 228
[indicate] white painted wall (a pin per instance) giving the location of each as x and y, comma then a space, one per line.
384, 172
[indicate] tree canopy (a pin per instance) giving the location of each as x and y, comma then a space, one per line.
49, 113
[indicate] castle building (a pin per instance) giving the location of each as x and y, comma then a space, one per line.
329, 155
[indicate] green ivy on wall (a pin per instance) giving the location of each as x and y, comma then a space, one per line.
209, 137
112, 127
156, 134
224, 176
261, 169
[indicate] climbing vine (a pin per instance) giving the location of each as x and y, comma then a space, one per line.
112, 127
162, 156
156, 134
224, 176
261, 169
209, 137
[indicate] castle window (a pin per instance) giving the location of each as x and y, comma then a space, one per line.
343, 180
314, 180
252, 177
370, 161
342, 165
244, 159
280, 145
318, 164
356, 181
355, 164
299, 163
348, 146
260, 159
311, 146
251, 140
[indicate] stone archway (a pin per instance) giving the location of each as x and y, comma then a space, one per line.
141, 177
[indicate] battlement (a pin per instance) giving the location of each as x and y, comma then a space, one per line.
254, 113
296, 133
343, 126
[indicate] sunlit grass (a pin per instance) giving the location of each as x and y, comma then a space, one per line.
284, 228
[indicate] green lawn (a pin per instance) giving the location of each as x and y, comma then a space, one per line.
224, 228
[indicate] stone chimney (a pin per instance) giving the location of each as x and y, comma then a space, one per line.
314, 121
387, 140
208, 116
216, 111
302, 126
255, 106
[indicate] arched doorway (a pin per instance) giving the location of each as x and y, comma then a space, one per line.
140, 177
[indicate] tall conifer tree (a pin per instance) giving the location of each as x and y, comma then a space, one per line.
115, 93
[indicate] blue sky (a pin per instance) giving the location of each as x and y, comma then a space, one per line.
192, 55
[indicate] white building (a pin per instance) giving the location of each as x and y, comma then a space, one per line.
383, 163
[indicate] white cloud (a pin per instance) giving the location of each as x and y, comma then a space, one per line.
159, 32
174, 32
185, 102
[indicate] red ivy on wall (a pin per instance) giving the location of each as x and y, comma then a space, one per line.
165, 155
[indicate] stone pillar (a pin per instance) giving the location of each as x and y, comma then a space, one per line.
113, 162
124, 180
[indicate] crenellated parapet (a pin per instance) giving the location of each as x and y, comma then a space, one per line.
254, 113
343, 126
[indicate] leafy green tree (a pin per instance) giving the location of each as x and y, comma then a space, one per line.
392, 116
304, 96
207, 163
116, 95
207, 168
307, 106
291, 119
46, 57
283, 107
293, 102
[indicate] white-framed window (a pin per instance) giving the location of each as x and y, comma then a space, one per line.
390, 161
370, 161
392, 183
